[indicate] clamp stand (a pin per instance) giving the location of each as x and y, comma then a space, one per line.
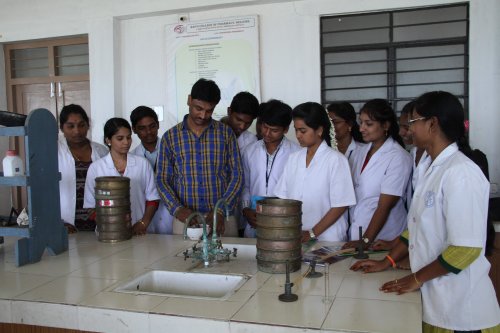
288, 296
313, 274
361, 247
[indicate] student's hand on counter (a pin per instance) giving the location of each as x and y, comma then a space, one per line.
251, 216
370, 266
402, 286
71, 228
183, 213
139, 228
353, 244
220, 222
306, 236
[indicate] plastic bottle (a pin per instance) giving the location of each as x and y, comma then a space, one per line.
12, 164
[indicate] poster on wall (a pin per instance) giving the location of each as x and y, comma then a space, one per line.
224, 50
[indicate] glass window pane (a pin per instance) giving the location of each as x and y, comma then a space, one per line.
329, 24
356, 37
414, 91
72, 59
430, 15
431, 31
30, 62
355, 94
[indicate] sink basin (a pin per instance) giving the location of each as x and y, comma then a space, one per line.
184, 284
245, 252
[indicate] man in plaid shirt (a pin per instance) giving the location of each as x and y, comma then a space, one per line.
199, 161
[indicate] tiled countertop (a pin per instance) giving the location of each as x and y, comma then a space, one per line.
75, 290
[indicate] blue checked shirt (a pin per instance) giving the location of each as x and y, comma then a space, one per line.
195, 172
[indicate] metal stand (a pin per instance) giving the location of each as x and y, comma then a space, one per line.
288, 296
361, 247
313, 273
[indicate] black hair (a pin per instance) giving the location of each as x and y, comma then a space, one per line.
275, 113
380, 110
450, 115
113, 125
206, 90
315, 116
246, 103
408, 108
72, 109
346, 111
142, 112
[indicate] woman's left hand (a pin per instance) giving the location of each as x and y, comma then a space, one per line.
401, 286
139, 228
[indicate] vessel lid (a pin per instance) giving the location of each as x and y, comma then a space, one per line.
11, 153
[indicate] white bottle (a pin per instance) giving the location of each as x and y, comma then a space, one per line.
12, 164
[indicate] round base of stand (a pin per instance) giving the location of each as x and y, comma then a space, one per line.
288, 297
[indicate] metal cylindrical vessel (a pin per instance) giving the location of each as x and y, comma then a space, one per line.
112, 206
279, 232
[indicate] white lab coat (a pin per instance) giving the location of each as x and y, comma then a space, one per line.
245, 139
67, 185
387, 172
417, 172
352, 150
254, 160
325, 184
142, 182
162, 221
449, 207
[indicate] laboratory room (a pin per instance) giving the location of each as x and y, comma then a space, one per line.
250, 166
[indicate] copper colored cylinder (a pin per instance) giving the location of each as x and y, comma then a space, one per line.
113, 218
279, 232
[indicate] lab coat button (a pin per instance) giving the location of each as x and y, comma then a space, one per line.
411, 247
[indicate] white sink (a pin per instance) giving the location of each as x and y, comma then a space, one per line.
244, 251
184, 284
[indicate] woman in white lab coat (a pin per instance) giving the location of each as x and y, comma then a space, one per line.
347, 134
144, 197
381, 172
317, 175
75, 154
446, 227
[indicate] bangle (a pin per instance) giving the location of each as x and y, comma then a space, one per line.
416, 280
393, 263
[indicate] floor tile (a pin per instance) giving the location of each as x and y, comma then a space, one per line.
66, 290
14, 283
373, 316
264, 307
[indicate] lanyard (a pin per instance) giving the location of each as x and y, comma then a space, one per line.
268, 172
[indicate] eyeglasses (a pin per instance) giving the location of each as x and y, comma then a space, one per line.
411, 121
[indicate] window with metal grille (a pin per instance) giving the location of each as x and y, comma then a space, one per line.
396, 55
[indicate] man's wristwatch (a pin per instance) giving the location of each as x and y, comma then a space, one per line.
366, 240
311, 234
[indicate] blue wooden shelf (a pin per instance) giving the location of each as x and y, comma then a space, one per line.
45, 230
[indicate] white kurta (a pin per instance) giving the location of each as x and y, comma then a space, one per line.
245, 139
142, 182
254, 160
450, 207
387, 172
67, 185
162, 221
324, 184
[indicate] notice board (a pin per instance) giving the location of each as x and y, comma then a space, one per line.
224, 50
